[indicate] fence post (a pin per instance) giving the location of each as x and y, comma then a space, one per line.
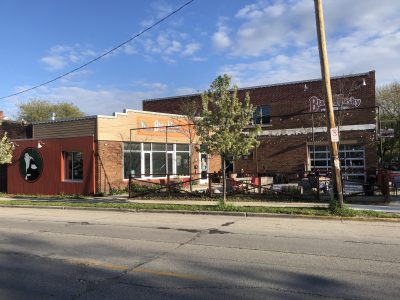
209, 184
129, 185
168, 186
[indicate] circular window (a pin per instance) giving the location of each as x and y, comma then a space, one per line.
30, 164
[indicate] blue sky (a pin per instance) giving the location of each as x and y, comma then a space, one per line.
257, 42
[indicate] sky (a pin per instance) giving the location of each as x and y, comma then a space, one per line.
256, 42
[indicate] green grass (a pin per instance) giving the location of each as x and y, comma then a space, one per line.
346, 212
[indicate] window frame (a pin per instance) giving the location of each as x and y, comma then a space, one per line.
65, 166
261, 108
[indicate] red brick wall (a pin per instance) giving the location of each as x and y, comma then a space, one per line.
289, 102
109, 166
288, 155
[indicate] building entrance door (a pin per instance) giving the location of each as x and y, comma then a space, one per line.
203, 168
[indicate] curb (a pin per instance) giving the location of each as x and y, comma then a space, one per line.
215, 213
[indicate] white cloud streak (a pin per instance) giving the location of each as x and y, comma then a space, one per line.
61, 56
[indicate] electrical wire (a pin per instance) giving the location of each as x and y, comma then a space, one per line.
102, 55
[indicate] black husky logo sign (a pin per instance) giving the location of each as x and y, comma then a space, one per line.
30, 164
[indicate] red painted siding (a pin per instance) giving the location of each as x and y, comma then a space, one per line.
51, 181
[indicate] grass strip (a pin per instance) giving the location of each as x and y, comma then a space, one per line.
315, 211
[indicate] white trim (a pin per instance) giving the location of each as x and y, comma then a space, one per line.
308, 130
126, 111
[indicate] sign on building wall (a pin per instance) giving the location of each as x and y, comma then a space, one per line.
30, 164
339, 102
158, 125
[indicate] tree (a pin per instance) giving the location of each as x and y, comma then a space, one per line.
190, 110
41, 110
5, 150
224, 123
388, 98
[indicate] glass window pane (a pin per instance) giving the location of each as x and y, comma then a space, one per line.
321, 163
68, 165
147, 170
158, 147
170, 164
170, 147
355, 154
265, 120
146, 146
320, 155
132, 164
182, 163
321, 148
77, 166
182, 147
132, 146
203, 148
158, 164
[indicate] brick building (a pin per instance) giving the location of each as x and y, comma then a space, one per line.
96, 154
293, 121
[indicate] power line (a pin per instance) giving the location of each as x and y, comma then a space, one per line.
102, 55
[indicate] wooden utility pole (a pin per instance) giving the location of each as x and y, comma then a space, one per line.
323, 57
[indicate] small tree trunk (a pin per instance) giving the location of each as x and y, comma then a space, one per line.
223, 180
190, 168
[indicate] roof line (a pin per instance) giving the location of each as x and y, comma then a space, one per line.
64, 120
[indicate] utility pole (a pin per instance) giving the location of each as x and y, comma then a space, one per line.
323, 57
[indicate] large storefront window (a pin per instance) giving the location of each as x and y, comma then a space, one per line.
154, 159
73, 165
352, 160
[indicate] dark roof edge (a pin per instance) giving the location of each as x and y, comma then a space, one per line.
267, 85
65, 120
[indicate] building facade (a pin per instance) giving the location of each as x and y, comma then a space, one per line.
97, 154
294, 136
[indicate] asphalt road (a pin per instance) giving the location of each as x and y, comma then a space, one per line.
66, 254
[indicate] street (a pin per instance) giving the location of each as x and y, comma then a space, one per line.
77, 254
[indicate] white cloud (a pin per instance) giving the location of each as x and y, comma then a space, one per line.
100, 100
54, 62
61, 56
161, 8
185, 91
221, 39
129, 49
154, 86
174, 47
191, 49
